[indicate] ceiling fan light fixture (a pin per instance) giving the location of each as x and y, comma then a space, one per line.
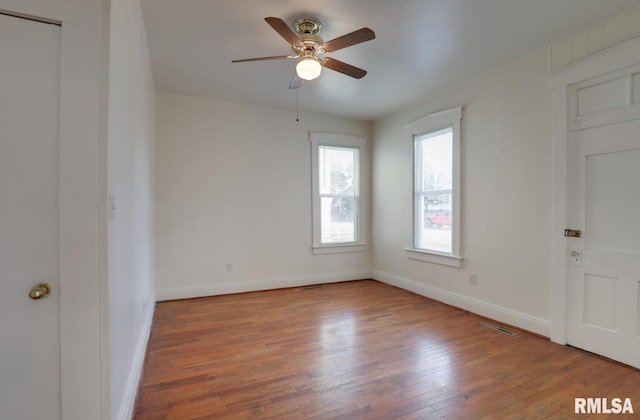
308, 68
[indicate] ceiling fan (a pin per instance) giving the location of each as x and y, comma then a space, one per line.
310, 47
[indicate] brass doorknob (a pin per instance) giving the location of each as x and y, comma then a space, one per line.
40, 291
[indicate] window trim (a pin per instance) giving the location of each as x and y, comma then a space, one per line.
318, 139
429, 124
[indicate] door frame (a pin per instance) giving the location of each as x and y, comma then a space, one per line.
84, 362
84, 367
623, 55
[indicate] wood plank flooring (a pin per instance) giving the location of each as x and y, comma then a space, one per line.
359, 349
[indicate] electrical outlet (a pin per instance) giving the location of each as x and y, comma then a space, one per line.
473, 278
229, 267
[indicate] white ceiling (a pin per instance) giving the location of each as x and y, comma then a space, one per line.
421, 46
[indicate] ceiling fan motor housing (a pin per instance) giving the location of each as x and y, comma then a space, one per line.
308, 30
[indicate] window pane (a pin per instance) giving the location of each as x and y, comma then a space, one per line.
437, 161
337, 170
337, 220
434, 163
434, 231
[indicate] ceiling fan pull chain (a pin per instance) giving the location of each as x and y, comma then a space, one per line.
297, 101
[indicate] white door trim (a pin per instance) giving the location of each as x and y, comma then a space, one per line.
618, 57
82, 352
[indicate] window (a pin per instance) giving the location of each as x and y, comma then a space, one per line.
338, 204
436, 220
434, 187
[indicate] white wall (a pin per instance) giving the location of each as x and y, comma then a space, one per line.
506, 184
130, 175
595, 39
82, 12
234, 186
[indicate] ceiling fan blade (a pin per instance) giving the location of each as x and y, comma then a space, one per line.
342, 67
283, 29
275, 57
353, 38
296, 81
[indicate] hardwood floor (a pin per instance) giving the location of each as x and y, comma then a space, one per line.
359, 349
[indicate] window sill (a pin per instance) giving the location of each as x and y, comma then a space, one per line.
336, 249
434, 257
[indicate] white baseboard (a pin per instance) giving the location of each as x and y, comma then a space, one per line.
256, 285
508, 316
133, 381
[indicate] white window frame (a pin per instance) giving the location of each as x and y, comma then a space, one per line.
426, 125
337, 140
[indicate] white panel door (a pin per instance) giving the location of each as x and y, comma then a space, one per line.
29, 121
604, 264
